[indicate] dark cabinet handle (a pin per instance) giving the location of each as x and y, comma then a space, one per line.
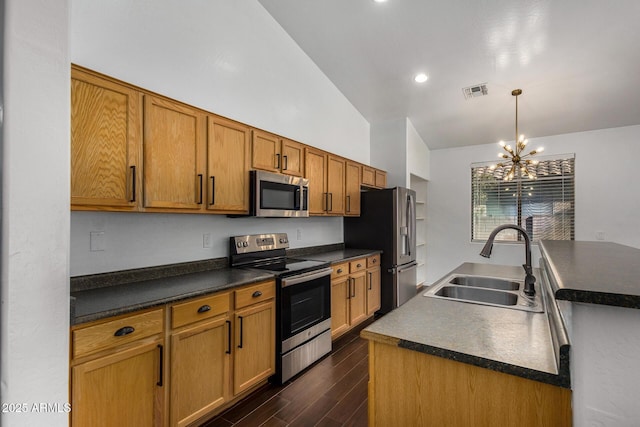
348, 203
277, 161
161, 373
358, 265
286, 163
213, 190
241, 331
370, 279
200, 197
228, 337
133, 184
339, 270
204, 308
375, 260
125, 330
257, 294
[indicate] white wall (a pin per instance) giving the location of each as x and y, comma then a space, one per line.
142, 240
606, 199
418, 154
228, 57
397, 148
605, 379
34, 325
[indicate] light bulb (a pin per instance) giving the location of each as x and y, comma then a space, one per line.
501, 143
525, 142
420, 78
530, 177
521, 138
540, 149
492, 167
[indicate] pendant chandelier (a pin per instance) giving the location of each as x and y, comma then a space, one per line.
519, 161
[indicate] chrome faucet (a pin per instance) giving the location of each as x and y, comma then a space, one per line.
529, 279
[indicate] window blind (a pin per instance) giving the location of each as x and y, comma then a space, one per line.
544, 206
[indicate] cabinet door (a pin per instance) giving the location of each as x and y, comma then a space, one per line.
106, 135
373, 290
381, 179
255, 341
174, 139
357, 298
265, 151
199, 370
335, 184
340, 306
292, 158
228, 166
120, 390
368, 176
352, 189
314, 170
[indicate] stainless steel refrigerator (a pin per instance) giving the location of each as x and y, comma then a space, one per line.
387, 221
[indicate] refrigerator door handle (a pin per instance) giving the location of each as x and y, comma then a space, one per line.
409, 222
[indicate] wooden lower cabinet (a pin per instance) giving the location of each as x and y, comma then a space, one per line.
118, 374
200, 359
373, 290
350, 295
410, 388
254, 353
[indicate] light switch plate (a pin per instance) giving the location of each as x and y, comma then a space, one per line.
96, 241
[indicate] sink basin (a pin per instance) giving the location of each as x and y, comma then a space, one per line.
485, 282
493, 291
478, 295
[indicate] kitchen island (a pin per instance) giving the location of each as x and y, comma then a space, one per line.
444, 362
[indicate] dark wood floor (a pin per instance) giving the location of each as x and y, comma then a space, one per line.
331, 393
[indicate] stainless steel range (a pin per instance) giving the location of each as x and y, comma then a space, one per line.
303, 299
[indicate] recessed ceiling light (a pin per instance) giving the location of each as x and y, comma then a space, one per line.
421, 78
380, 1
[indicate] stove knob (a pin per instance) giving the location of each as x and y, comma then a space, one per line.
245, 244
239, 244
282, 240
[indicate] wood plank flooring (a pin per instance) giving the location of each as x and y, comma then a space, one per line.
332, 393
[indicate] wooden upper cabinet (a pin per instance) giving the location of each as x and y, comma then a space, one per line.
174, 143
335, 185
314, 171
106, 143
228, 164
352, 189
381, 179
272, 153
368, 176
292, 158
265, 151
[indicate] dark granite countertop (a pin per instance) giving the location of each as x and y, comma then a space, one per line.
104, 295
505, 340
341, 255
94, 304
594, 272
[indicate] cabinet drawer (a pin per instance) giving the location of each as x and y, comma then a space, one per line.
340, 270
116, 332
373, 261
254, 294
199, 309
357, 265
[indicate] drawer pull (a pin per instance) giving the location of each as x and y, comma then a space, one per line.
161, 366
241, 331
374, 260
358, 265
228, 337
257, 294
126, 330
339, 270
204, 308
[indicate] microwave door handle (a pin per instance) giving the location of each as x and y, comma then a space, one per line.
297, 199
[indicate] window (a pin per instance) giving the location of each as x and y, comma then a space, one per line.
543, 206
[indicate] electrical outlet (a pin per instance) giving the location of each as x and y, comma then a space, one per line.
96, 241
206, 240
599, 235
299, 234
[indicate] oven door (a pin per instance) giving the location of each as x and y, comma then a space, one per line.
276, 195
305, 305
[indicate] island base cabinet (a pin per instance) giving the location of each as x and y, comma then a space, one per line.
120, 390
410, 388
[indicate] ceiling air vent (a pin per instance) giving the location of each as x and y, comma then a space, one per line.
475, 91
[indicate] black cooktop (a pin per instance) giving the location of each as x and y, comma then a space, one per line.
288, 266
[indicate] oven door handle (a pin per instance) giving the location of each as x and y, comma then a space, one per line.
294, 280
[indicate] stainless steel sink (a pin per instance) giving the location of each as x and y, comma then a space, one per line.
486, 282
493, 291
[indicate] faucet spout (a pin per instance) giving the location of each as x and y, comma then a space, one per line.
529, 279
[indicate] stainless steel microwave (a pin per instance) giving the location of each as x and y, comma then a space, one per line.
277, 195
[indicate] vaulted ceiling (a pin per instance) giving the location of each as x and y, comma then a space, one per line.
577, 62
